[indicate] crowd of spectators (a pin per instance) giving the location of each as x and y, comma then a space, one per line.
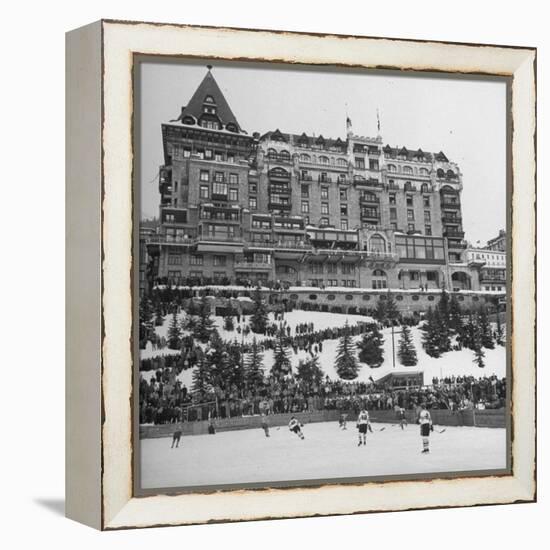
164, 399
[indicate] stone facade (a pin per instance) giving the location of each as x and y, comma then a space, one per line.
303, 210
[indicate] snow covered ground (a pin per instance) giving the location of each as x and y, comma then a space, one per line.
247, 456
451, 363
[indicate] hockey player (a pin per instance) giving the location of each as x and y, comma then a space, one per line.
265, 425
363, 426
402, 417
176, 438
426, 426
343, 421
295, 426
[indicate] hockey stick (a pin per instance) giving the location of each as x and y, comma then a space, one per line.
441, 431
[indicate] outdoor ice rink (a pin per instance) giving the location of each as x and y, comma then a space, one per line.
247, 456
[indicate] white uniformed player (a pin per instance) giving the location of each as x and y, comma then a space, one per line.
426, 426
362, 426
294, 426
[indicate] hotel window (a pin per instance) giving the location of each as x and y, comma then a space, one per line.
170, 218
219, 188
204, 175
332, 268
233, 179
360, 163
393, 225
426, 201
410, 214
195, 259
393, 213
343, 210
427, 216
373, 164
409, 200
323, 221
208, 153
344, 225
305, 191
200, 153
410, 227
218, 156
195, 274
316, 268
324, 208
305, 207
186, 152
253, 203
324, 193
407, 170
218, 176
230, 157
392, 168
348, 269
428, 230
252, 188
174, 259
392, 198
343, 194
323, 160
220, 261
306, 220
233, 194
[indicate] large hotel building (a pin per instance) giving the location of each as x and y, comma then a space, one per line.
305, 210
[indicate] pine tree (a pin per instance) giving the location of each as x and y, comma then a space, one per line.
309, 371
146, 329
201, 378
159, 319
455, 315
259, 318
281, 364
371, 347
407, 352
468, 332
380, 311
228, 323
430, 338
204, 324
441, 331
485, 329
346, 362
174, 333
254, 370
499, 335
479, 354
444, 308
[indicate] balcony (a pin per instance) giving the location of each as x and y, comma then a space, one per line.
453, 234
324, 179
451, 219
171, 240
280, 206
374, 152
306, 177
449, 204
369, 199
219, 197
280, 189
252, 266
279, 159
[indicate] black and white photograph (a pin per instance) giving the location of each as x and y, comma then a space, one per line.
322, 275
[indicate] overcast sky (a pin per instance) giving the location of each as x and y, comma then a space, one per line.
464, 118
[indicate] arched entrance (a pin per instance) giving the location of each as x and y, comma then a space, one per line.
461, 281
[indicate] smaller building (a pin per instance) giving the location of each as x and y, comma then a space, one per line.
491, 264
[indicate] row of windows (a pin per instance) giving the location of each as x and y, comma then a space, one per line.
232, 193
368, 297
219, 177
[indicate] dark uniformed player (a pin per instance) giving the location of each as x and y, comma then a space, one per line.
402, 417
265, 425
176, 438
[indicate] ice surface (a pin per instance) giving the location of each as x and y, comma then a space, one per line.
247, 456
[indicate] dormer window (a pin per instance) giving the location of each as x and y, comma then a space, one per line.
209, 105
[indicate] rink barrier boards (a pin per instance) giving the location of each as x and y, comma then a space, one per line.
480, 418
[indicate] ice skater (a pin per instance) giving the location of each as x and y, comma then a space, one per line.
296, 427
363, 425
265, 424
176, 438
426, 426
